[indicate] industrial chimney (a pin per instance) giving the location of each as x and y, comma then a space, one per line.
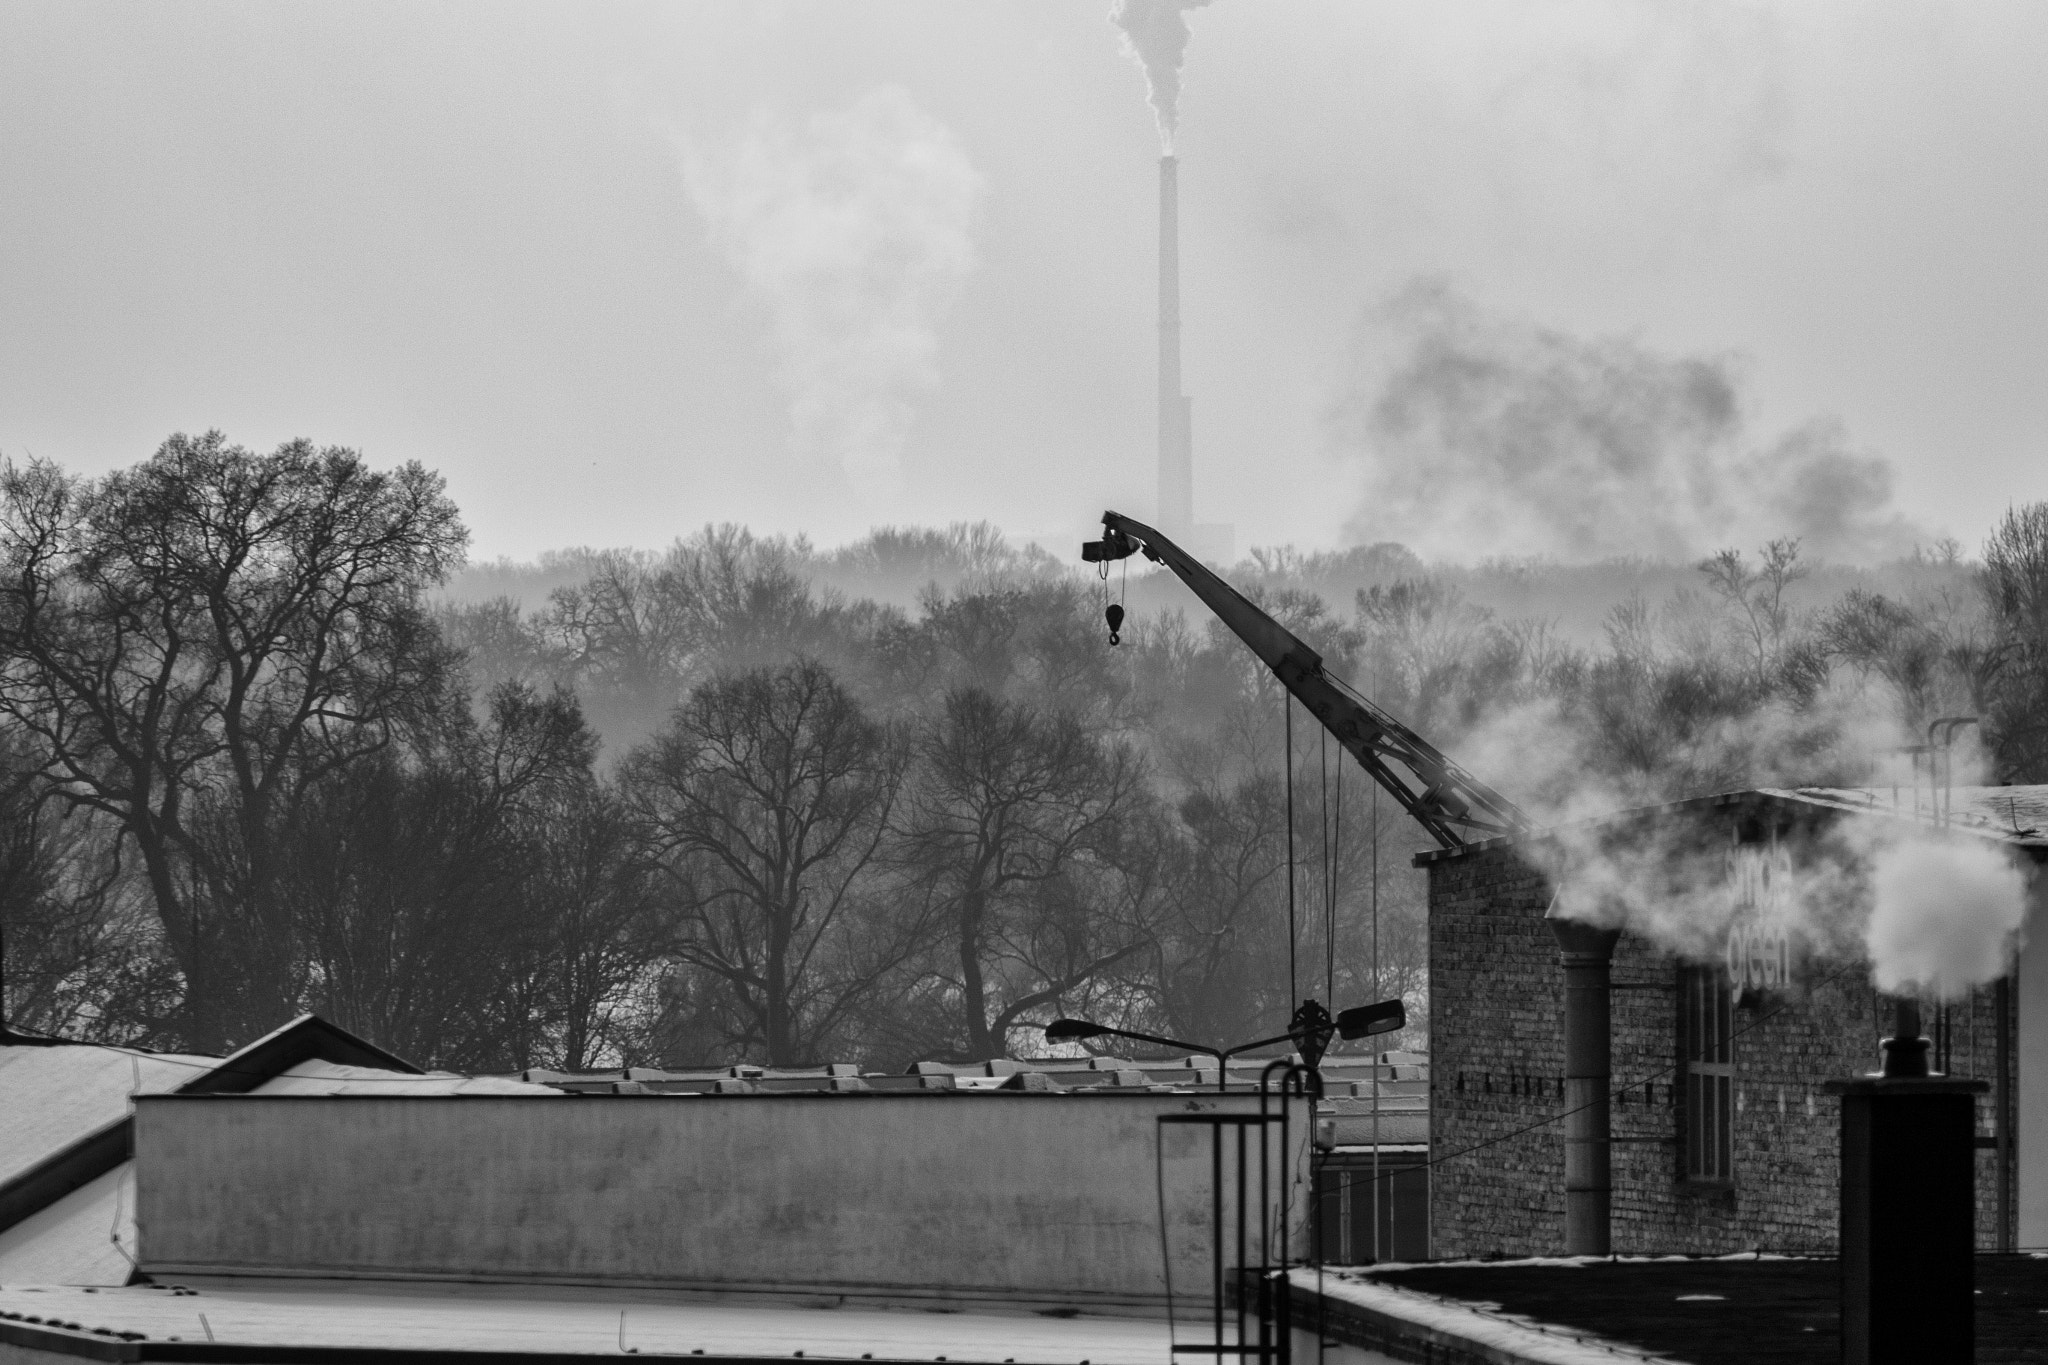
1176, 423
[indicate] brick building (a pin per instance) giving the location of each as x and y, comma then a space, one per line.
1721, 1136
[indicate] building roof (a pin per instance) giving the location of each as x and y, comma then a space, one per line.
86, 1237
1343, 1075
316, 1076
53, 1097
2010, 815
65, 1129
1732, 1310
360, 1322
2014, 815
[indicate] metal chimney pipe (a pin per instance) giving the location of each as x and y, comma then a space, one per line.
1176, 426
1908, 1217
1586, 954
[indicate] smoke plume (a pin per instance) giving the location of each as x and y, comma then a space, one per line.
1934, 910
856, 232
1944, 915
1156, 34
1492, 436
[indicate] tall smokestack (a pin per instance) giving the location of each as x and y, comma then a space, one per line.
1176, 419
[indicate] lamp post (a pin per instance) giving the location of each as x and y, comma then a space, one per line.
1310, 1031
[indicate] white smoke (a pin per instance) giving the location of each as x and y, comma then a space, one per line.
1934, 910
1156, 34
1492, 436
856, 231
1945, 914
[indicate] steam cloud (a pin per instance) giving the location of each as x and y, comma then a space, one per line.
1156, 34
1944, 915
857, 233
1937, 911
1496, 437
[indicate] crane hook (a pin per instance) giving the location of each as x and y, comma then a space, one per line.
1114, 614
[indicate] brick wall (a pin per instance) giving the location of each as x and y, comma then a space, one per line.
1496, 1135
1496, 998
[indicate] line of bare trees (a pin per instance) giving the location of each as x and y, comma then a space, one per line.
708, 804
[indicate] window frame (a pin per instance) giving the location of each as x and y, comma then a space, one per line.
1706, 1042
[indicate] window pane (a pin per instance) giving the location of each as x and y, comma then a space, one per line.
1706, 1039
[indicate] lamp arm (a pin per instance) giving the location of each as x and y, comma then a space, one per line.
1263, 1042
1218, 1054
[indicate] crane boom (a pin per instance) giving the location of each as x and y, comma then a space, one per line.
1444, 799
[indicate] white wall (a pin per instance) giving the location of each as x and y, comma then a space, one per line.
2030, 980
1039, 1198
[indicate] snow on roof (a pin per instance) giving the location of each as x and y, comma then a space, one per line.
84, 1238
2012, 814
317, 1077
78, 1240
51, 1097
530, 1319
1494, 1335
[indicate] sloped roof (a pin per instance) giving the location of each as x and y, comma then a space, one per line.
51, 1097
2014, 815
87, 1237
66, 1108
2009, 815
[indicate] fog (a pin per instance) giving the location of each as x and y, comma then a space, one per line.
621, 272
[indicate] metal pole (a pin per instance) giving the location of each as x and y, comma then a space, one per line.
1242, 1192
1585, 952
1216, 1225
2001, 1108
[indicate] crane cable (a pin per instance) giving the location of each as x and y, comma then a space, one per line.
1330, 917
1287, 701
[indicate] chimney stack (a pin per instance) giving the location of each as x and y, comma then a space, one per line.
1176, 423
1909, 1213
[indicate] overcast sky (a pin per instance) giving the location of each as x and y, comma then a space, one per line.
618, 271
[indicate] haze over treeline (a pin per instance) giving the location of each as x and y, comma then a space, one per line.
269, 749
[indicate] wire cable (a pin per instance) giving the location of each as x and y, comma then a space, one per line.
1287, 700
1323, 820
1336, 865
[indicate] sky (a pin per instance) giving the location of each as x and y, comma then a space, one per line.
1484, 278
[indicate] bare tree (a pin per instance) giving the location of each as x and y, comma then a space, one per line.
594, 897
1755, 598
1016, 834
214, 633
768, 799
421, 886
1222, 968
2016, 586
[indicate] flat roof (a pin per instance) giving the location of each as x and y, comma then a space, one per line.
524, 1322
1344, 1074
1726, 1310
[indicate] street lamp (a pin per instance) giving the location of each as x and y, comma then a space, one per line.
1309, 1031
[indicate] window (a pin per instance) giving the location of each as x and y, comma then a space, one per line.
1706, 1029
1346, 1183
